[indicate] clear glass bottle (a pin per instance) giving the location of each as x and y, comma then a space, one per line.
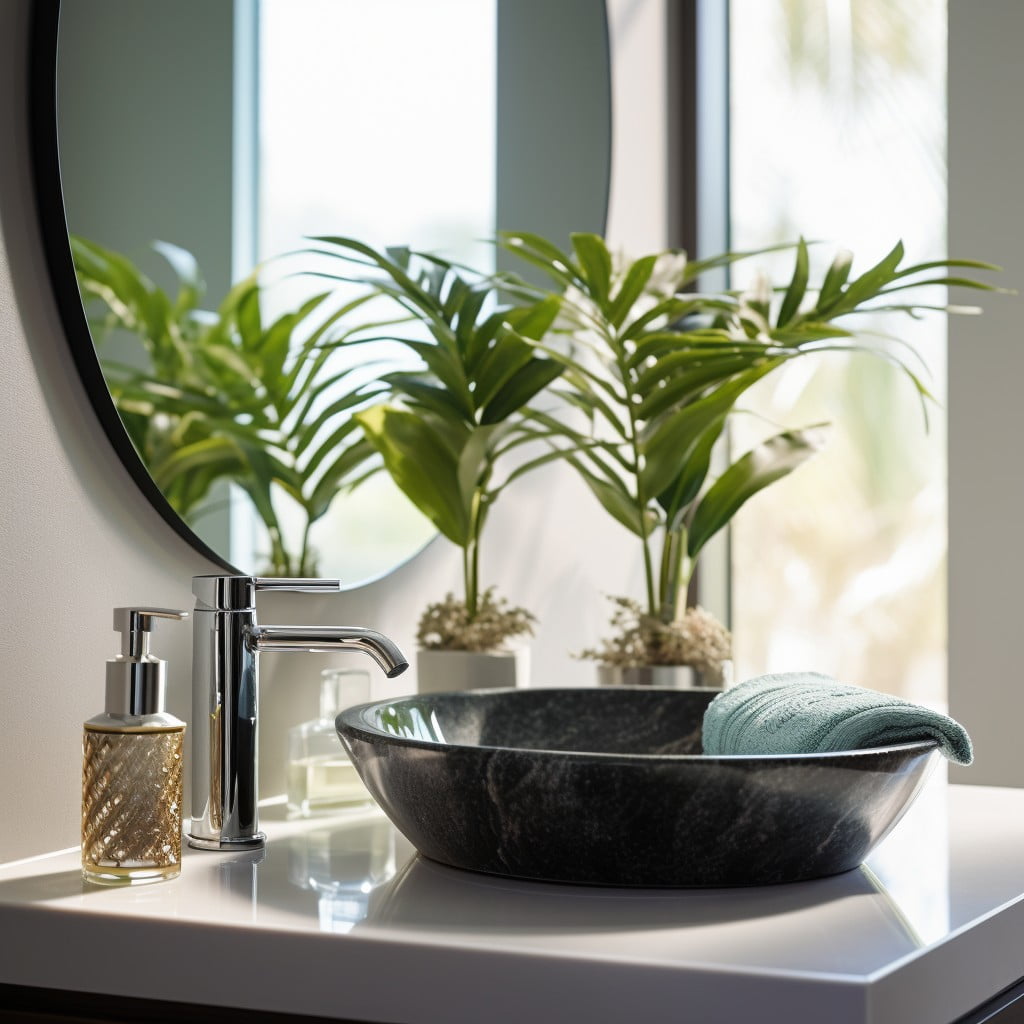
132, 759
321, 778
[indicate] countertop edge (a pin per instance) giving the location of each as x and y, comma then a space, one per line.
389, 980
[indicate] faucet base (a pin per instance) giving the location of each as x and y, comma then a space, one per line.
253, 842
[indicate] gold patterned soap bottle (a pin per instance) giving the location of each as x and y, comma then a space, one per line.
132, 766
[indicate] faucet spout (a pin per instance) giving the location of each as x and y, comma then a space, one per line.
327, 639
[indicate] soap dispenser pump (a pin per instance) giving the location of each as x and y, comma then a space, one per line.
132, 766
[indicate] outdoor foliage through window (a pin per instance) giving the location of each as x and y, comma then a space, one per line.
838, 132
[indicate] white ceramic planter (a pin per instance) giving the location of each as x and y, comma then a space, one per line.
679, 677
439, 671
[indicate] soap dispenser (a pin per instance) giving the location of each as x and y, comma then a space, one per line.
132, 766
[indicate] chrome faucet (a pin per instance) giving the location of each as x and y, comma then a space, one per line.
225, 675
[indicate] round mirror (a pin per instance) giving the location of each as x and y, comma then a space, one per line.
182, 144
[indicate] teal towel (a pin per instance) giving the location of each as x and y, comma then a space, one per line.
805, 713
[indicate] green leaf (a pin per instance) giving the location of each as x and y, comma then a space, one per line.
760, 467
945, 282
591, 404
348, 461
695, 268
392, 267
248, 316
631, 289
468, 311
676, 498
868, 284
458, 291
257, 481
936, 264
525, 384
213, 450
420, 392
305, 433
614, 498
505, 357
595, 263
533, 321
240, 374
797, 286
541, 253
448, 370
709, 340
422, 464
669, 442
475, 462
838, 272
478, 344
681, 388
277, 344
672, 311
329, 446
795, 335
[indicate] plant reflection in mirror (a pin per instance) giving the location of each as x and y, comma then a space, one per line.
453, 433
657, 371
224, 396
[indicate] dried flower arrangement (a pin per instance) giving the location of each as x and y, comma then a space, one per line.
696, 639
447, 626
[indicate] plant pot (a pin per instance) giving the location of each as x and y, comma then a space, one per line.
440, 671
677, 677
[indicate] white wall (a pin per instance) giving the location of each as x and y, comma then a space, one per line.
986, 377
78, 539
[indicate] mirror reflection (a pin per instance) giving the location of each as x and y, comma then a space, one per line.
199, 142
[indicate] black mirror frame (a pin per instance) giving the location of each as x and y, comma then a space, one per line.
49, 203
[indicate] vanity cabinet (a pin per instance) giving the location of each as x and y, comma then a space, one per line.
19, 1005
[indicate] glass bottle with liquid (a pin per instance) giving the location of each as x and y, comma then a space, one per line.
321, 778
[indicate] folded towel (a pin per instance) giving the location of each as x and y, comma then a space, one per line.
805, 712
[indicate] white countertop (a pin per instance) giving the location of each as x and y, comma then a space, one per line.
341, 918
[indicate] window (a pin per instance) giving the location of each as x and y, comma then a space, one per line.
838, 131
348, 99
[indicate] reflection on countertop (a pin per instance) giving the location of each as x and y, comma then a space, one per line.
338, 907
353, 873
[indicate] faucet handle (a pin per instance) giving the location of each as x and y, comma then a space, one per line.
298, 586
238, 593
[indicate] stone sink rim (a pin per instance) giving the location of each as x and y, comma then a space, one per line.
355, 718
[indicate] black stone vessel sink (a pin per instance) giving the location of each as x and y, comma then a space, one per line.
607, 786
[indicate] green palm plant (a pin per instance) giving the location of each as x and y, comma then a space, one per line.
452, 434
658, 371
226, 396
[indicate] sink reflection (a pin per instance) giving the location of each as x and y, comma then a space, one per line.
351, 858
330, 871
359, 873
912, 865
343, 865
